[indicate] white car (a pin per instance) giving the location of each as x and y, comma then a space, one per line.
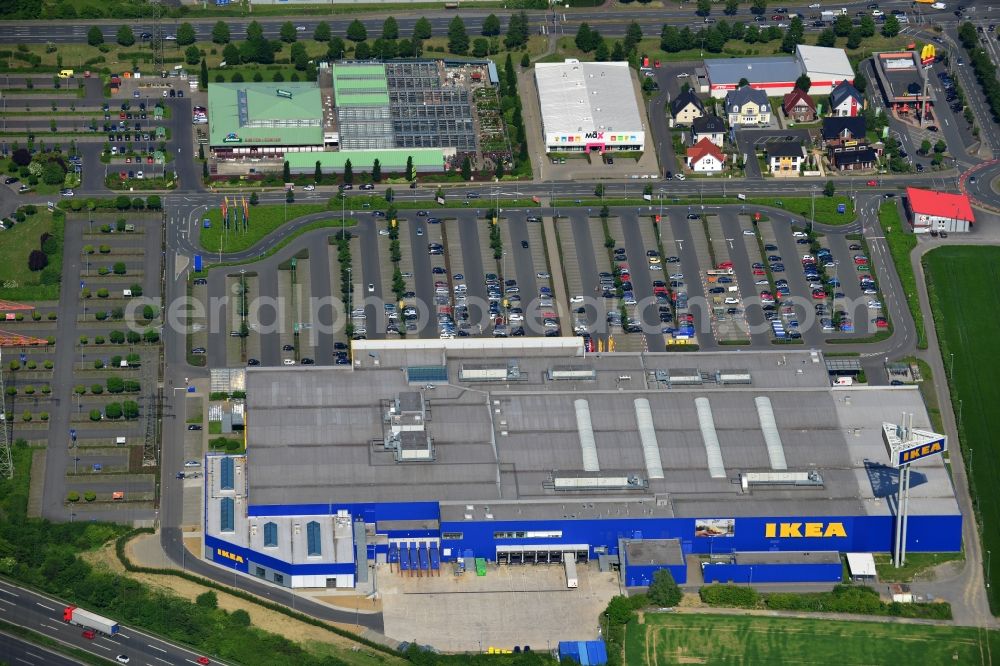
762, 283
371, 287
192, 463
799, 234
300, 28
139, 175
542, 275
122, 659
683, 75
655, 267
938, 5
748, 232
874, 305
383, 232
576, 299
289, 361
309, 188
679, 176
516, 317
877, 13
732, 301
814, 5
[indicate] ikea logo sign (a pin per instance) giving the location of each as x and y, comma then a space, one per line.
801, 530
229, 556
922, 451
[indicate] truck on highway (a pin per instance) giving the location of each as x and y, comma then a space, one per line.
87, 620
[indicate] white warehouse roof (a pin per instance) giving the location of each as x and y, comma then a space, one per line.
822, 63
587, 96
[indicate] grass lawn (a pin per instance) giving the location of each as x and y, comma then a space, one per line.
671, 638
263, 220
16, 281
901, 243
915, 563
964, 301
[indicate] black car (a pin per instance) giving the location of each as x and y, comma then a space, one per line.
11, 180
524, 244
194, 426
253, 362
287, 348
307, 361
199, 350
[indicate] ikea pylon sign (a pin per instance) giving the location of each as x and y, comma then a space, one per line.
922, 450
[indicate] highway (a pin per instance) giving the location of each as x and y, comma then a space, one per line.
610, 24
43, 614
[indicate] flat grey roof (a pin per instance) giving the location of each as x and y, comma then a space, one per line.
755, 70
317, 436
789, 557
587, 96
654, 551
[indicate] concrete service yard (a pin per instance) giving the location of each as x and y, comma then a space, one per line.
511, 605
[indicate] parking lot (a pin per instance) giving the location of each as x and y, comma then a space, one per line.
707, 276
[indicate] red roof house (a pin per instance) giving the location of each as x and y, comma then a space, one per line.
799, 106
705, 157
938, 211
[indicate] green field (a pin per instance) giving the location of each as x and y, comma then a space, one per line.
263, 220
962, 283
675, 638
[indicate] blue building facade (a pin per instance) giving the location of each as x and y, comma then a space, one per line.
482, 538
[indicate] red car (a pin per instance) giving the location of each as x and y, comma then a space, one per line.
725, 264
88, 634
819, 294
656, 63
881, 322
122, 175
860, 259
777, 17
759, 271
872, 183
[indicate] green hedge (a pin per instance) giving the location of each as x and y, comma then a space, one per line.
856, 599
734, 596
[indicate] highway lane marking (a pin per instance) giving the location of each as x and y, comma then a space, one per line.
156, 648
23, 660
9, 603
163, 660
39, 603
49, 626
123, 635
103, 647
32, 654
13, 594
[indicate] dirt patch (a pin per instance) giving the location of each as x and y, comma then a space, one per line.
274, 622
351, 602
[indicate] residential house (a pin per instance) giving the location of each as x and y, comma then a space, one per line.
845, 100
686, 107
708, 127
748, 106
841, 129
854, 158
799, 106
785, 158
705, 157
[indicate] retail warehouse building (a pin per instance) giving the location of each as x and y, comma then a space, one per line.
423, 109
589, 106
825, 67
530, 450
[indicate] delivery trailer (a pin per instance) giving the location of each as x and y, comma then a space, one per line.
569, 561
87, 620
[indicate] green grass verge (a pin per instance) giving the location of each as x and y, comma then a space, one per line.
901, 244
916, 563
963, 299
319, 224
359, 203
671, 638
16, 245
264, 220
826, 207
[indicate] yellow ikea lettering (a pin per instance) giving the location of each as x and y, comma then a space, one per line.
229, 556
800, 530
921, 451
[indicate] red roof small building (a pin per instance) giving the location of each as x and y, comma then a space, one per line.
938, 211
705, 157
799, 106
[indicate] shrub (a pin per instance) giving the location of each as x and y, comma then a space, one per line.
207, 600
736, 596
98, 339
116, 385
113, 411
133, 337
105, 249
102, 292
79, 389
97, 389
46, 389
664, 591
15, 366
119, 268
51, 316
95, 415
89, 249
44, 416
100, 316
85, 292
26, 417
116, 337
32, 365
48, 365
103, 270
90, 496
73, 496
36, 316
37, 260
29, 390
98, 364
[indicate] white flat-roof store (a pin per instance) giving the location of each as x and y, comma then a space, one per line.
589, 106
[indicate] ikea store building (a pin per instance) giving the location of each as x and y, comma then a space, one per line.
749, 465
